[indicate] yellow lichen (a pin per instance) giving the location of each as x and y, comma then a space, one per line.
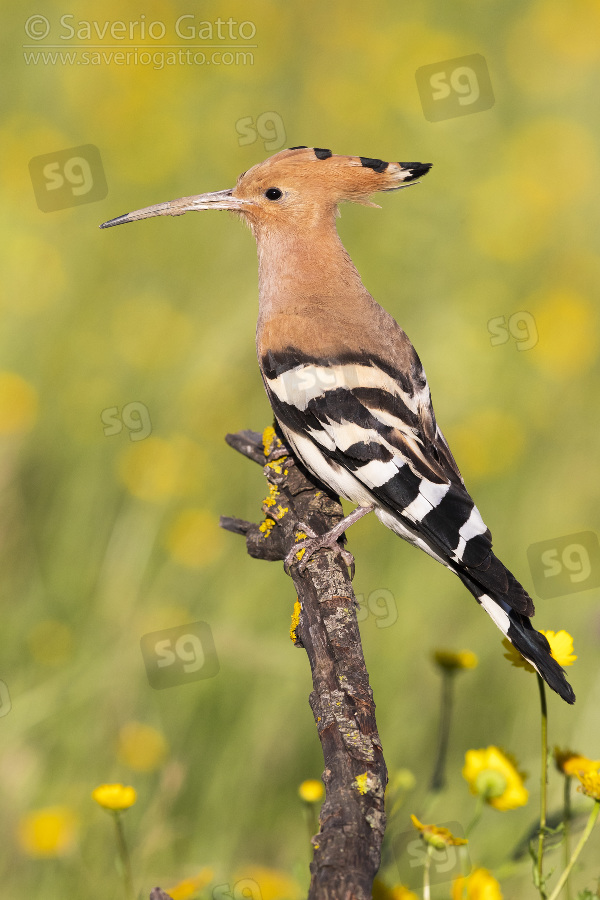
361, 783
273, 494
268, 437
266, 527
295, 620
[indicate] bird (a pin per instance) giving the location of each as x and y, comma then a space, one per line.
346, 385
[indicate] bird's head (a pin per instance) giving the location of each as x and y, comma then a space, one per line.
296, 185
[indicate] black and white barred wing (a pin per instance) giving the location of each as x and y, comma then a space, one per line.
371, 435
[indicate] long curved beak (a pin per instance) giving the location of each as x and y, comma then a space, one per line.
214, 200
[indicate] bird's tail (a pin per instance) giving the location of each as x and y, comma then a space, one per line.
532, 645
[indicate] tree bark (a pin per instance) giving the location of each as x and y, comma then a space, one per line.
347, 848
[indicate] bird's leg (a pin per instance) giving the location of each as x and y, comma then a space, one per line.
330, 539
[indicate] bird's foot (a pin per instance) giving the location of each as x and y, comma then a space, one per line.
313, 542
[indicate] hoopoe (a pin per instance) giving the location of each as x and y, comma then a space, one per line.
345, 383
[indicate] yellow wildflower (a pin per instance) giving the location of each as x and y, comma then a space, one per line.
311, 790
479, 885
570, 763
454, 661
51, 831
590, 784
263, 883
141, 747
18, 404
114, 796
492, 774
382, 892
189, 887
561, 648
436, 836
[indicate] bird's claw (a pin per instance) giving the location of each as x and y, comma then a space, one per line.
310, 545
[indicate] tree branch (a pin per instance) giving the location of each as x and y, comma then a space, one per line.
347, 849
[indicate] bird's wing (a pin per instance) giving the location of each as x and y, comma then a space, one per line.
376, 426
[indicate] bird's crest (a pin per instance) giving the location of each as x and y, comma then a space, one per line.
329, 175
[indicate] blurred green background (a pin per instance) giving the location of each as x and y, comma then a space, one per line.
107, 537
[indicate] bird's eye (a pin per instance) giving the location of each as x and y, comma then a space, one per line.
273, 194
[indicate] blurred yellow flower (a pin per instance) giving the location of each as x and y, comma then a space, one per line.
492, 774
510, 223
567, 323
114, 796
18, 404
437, 836
311, 791
561, 648
570, 763
141, 747
268, 884
194, 538
479, 885
487, 443
156, 469
382, 892
453, 661
189, 887
51, 831
590, 784
50, 642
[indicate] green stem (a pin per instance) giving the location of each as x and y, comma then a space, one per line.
543, 788
567, 824
438, 779
124, 857
476, 815
426, 887
584, 837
